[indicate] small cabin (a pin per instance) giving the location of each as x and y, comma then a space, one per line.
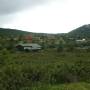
28, 47
81, 41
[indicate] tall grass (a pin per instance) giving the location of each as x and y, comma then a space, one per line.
45, 70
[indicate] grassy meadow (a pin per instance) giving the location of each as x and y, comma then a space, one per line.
45, 70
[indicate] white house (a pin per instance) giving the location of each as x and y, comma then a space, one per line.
81, 41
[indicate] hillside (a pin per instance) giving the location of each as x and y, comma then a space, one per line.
81, 32
12, 32
6, 32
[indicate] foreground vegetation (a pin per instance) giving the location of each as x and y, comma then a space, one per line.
73, 86
63, 65
44, 70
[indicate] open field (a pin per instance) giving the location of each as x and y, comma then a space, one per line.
45, 70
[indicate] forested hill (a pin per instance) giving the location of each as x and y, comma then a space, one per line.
81, 32
12, 32
4, 32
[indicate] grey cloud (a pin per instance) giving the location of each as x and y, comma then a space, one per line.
6, 19
10, 6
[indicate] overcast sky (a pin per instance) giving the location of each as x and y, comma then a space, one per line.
48, 16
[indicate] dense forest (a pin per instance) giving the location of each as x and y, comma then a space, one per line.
81, 32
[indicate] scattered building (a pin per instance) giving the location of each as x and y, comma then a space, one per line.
28, 47
81, 41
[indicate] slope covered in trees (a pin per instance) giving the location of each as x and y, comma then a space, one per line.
12, 32
7, 32
81, 32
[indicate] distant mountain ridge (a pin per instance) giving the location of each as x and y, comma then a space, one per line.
6, 32
81, 32
12, 32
